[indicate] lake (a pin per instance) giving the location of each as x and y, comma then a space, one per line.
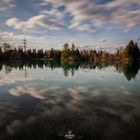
49, 100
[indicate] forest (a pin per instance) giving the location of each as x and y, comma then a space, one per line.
130, 52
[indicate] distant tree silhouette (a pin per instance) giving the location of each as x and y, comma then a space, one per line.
71, 53
132, 50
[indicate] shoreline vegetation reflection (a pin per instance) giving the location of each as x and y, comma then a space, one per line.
130, 70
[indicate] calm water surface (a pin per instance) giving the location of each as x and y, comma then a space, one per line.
49, 100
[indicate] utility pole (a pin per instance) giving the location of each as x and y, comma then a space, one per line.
24, 44
138, 41
25, 73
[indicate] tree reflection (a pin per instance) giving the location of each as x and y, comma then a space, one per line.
129, 70
8, 69
70, 67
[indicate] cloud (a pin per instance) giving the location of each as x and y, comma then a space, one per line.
81, 27
27, 90
53, 13
5, 5
39, 39
12, 80
73, 98
14, 125
103, 40
104, 110
129, 19
98, 14
33, 23
16, 39
10, 35
83, 15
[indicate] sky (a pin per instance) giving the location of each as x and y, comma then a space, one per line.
95, 24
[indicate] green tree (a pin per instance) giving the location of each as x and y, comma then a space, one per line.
132, 51
65, 52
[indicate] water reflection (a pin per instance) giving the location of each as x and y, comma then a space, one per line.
95, 103
129, 70
89, 113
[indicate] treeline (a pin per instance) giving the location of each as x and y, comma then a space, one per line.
129, 53
71, 53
